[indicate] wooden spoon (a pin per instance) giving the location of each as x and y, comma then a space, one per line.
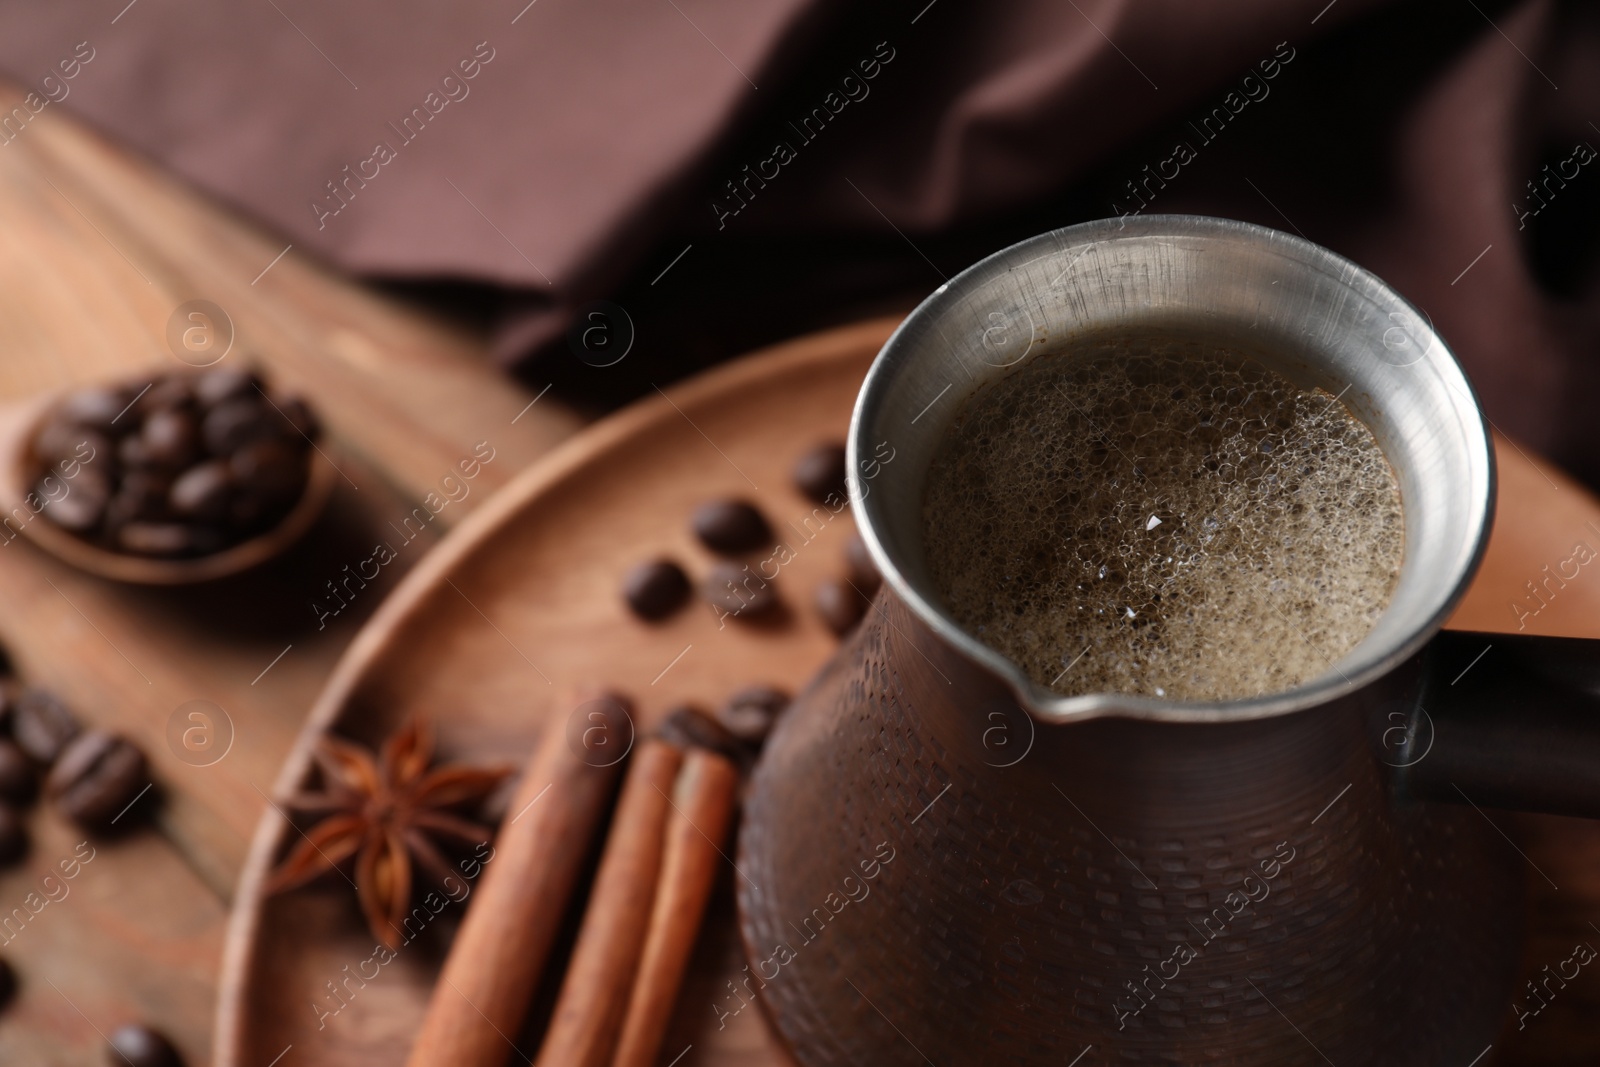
18, 424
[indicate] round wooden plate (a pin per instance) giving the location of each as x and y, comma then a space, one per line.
490, 633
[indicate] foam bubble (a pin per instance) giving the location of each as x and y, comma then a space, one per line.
1166, 517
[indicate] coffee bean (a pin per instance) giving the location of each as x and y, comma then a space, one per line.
301, 417
274, 469
8, 984
731, 526
166, 394
202, 491
42, 725
132, 453
82, 505
689, 727
655, 589
235, 423
140, 1046
77, 512
142, 496
820, 474
840, 606
863, 572
93, 447
13, 836
19, 782
171, 438
224, 383
95, 779
749, 713
96, 407
738, 591
58, 441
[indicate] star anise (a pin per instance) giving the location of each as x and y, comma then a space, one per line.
390, 811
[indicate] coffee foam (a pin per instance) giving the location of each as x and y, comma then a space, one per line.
1165, 518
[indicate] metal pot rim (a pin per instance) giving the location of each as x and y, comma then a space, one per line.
1438, 573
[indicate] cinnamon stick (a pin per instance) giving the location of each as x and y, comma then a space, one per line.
594, 995
499, 952
703, 802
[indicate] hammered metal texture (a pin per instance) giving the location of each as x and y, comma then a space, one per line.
910, 899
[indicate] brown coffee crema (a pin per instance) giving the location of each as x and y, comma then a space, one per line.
1161, 517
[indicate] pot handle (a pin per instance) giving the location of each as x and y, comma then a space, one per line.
1505, 721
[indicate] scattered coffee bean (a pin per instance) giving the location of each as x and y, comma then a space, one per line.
141, 497
224, 383
199, 462
655, 589
42, 725
731, 526
858, 561
202, 491
820, 473
166, 394
738, 591
139, 1046
235, 423
301, 418
89, 446
82, 505
132, 453
13, 836
689, 727
19, 782
95, 407
59, 441
275, 469
8, 983
95, 779
840, 606
170, 438
750, 712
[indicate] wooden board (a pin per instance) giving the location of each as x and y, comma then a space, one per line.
521, 601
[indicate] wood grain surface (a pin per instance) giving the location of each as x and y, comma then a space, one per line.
97, 251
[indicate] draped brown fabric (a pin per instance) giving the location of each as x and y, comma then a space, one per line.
731, 171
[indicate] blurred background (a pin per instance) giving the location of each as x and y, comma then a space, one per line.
734, 173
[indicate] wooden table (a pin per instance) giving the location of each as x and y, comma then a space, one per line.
97, 250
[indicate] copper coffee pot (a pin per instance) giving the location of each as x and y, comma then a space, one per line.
946, 863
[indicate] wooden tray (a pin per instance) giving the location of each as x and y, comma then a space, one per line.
522, 601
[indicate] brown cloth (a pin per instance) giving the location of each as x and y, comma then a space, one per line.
730, 171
